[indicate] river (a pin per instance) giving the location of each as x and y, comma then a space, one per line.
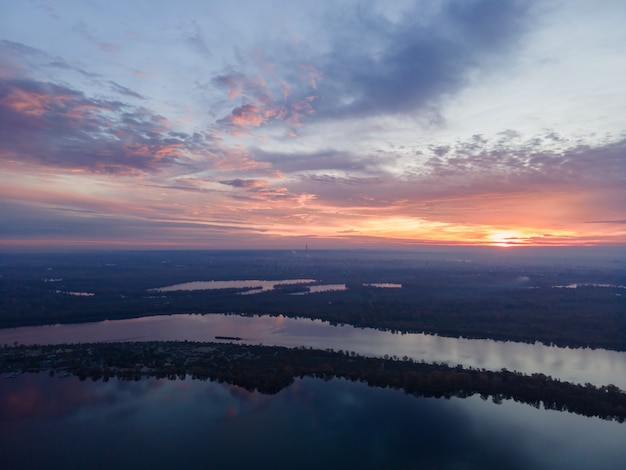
583, 365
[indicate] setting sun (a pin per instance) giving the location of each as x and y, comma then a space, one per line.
507, 238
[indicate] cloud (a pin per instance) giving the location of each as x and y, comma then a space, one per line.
122, 90
53, 125
505, 180
246, 184
236, 159
19, 61
312, 74
195, 38
263, 190
13, 56
263, 95
81, 28
311, 126
379, 67
519, 164
233, 82
319, 161
620, 222
65, 224
253, 88
248, 115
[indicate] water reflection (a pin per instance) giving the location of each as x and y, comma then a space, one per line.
75, 294
322, 288
311, 424
577, 285
597, 366
257, 285
383, 285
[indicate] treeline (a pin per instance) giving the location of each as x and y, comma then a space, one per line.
270, 369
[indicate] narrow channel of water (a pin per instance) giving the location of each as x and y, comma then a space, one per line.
596, 366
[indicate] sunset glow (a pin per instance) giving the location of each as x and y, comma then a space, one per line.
508, 238
237, 124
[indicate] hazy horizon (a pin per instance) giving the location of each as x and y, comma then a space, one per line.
605, 256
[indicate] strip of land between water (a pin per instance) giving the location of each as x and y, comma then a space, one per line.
269, 369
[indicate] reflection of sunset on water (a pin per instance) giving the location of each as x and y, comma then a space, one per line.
597, 366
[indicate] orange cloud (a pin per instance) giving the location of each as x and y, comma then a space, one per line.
225, 159
233, 83
250, 115
312, 74
247, 115
285, 89
29, 103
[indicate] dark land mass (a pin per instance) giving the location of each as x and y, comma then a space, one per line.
270, 369
504, 294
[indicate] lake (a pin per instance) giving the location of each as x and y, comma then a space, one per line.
50, 422
254, 286
258, 286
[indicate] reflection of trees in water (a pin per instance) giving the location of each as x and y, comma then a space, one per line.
270, 369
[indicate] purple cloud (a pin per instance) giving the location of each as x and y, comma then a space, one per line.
52, 125
412, 64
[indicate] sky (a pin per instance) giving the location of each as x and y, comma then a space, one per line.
282, 124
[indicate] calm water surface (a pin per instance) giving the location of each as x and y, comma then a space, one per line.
51, 422
596, 366
257, 285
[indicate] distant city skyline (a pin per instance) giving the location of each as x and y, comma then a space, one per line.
308, 125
